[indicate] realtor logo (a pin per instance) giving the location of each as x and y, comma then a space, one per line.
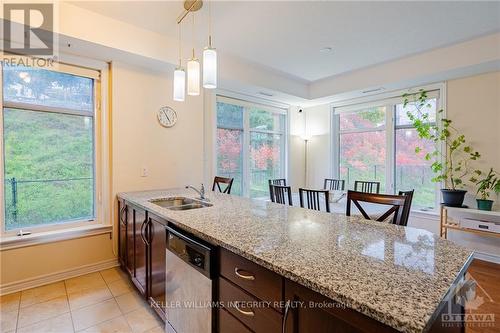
28, 28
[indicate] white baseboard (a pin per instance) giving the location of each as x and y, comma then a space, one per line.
487, 257
41, 280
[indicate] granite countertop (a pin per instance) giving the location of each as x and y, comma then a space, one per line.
396, 275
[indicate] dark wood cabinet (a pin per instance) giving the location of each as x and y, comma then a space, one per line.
140, 277
133, 244
156, 267
129, 240
308, 311
122, 233
142, 242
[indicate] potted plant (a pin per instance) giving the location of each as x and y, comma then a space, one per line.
489, 183
451, 165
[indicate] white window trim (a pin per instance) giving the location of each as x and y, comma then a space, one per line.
103, 219
388, 100
250, 101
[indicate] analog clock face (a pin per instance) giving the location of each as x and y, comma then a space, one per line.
167, 116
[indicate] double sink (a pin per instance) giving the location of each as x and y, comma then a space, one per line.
180, 203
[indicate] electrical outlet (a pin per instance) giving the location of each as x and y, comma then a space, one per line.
144, 172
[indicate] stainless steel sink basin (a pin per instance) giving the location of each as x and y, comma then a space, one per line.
180, 203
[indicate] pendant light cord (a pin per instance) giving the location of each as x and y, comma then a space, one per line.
193, 35
180, 47
209, 23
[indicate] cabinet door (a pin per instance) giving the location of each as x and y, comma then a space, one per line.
122, 233
140, 250
308, 311
157, 268
129, 239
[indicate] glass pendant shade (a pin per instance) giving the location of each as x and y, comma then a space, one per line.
179, 85
193, 76
209, 68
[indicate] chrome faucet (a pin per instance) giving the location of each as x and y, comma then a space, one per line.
201, 191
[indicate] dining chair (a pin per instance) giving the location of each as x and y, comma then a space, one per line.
279, 181
397, 203
281, 194
334, 184
223, 180
407, 208
367, 187
313, 198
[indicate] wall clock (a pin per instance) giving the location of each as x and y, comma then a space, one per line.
167, 117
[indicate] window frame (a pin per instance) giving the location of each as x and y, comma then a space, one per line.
229, 98
389, 100
98, 73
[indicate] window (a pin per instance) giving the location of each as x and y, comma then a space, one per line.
413, 171
49, 169
363, 146
251, 141
377, 142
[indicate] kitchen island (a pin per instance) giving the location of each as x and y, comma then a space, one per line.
400, 277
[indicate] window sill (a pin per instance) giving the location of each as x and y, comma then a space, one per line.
13, 242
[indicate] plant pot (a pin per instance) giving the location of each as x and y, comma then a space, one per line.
453, 198
484, 204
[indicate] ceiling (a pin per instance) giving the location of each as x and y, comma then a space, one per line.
288, 36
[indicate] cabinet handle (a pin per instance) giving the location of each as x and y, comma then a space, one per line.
144, 224
245, 313
245, 277
285, 316
151, 232
121, 214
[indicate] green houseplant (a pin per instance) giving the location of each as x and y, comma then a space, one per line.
450, 165
489, 183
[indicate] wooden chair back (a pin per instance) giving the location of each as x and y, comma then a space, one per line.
367, 187
281, 194
397, 203
334, 184
279, 181
407, 208
313, 198
222, 180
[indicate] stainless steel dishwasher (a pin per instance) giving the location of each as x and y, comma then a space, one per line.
189, 288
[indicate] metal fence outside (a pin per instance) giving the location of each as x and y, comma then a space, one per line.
42, 199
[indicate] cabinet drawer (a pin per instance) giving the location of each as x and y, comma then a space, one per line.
229, 324
258, 281
243, 306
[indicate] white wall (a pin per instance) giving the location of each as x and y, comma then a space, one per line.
173, 156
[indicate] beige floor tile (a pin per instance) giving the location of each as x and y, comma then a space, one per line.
95, 314
112, 274
88, 281
130, 301
118, 325
10, 302
8, 321
42, 294
41, 311
88, 297
158, 329
141, 320
120, 287
59, 324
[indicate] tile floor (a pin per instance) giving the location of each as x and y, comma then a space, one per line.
99, 302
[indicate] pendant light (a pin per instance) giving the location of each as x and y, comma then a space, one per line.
193, 73
209, 57
179, 76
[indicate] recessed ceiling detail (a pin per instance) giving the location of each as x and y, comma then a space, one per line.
287, 39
